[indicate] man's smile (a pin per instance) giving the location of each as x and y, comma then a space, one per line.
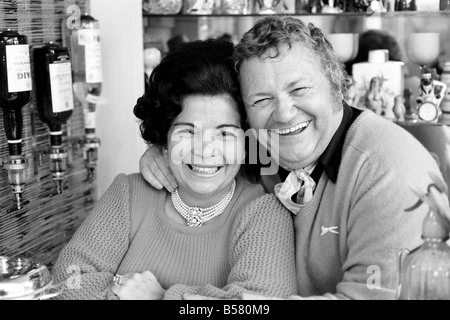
293, 130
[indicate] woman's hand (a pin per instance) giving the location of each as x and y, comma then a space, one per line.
139, 286
154, 167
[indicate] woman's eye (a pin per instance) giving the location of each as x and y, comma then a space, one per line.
227, 134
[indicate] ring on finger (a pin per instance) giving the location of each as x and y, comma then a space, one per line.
117, 280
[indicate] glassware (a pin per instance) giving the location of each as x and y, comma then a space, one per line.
198, 6
267, 6
235, 6
424, 273
162, 6
423, 48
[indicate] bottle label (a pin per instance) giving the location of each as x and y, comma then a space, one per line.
91, 40
18, 68
89, 120
61, 86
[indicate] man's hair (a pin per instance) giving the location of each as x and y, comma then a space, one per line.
195, 68
275, 32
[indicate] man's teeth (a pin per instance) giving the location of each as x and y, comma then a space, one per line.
293, 129
202, 170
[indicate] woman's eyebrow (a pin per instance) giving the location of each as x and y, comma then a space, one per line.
183, 124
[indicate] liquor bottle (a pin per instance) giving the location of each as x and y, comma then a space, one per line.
424, 272
445, 78
15, 93
444, 5
54, 97
85, 50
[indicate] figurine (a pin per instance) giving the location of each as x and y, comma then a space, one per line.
375, 6
375, 99
431, 94
399, 109
352, 95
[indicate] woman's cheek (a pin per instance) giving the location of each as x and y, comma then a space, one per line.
180, 149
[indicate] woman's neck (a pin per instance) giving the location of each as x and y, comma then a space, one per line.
193, 199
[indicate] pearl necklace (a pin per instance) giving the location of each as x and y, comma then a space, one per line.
196, 216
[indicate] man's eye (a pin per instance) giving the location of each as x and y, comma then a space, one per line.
262, 103
298, 91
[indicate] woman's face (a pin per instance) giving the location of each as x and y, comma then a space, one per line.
206, 144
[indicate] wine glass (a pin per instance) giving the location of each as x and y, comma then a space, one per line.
345, 45
423, 48
267, 6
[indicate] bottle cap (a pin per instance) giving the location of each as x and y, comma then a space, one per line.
434, 227
379, 56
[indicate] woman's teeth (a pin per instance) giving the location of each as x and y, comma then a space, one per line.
203, 170
294, 130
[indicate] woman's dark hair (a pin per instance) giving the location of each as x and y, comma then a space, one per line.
194, 68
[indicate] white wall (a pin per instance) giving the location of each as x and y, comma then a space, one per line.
123, 76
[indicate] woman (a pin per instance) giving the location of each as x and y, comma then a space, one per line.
160, 244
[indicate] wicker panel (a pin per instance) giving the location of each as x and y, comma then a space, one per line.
43, 226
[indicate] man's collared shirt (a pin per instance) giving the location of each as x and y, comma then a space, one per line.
330, 160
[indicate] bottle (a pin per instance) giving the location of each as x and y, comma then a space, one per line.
15, 93
444, 5
424, 272
54, 97
85, 50
445, 78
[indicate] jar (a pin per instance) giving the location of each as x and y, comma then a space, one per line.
162, 6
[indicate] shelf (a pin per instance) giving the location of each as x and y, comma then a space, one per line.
344, 14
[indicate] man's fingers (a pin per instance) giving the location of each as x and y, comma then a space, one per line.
168, 174
146, 167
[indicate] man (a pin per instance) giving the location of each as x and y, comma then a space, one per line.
355, 169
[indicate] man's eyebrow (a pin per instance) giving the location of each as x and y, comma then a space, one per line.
228, 125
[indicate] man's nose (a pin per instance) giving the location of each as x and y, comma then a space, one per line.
285, 109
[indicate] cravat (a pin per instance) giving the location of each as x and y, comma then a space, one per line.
300, 182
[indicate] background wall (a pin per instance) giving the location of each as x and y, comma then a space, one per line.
123, 75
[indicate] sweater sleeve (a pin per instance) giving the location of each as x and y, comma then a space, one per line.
378, 226
87, 264
262, 255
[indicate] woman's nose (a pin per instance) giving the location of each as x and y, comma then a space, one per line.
204, 145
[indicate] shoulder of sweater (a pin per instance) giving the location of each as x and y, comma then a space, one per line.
265, 206
137, 182
250, 188
378, 138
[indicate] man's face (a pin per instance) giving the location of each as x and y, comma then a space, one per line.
290, 96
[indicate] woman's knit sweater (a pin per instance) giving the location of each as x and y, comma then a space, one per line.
249, 247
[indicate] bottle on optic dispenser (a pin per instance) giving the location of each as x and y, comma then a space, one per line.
85, 49
54, 97
15, 93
